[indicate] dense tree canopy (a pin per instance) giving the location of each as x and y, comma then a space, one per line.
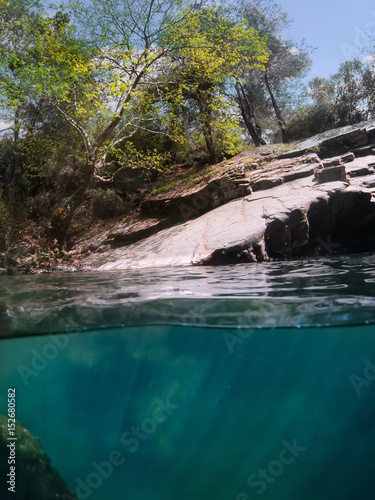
345, 98
199, 73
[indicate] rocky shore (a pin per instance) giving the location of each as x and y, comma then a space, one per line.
315, 199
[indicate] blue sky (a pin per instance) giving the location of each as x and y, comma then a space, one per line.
337, 28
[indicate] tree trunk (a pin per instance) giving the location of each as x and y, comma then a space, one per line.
209, 142
63, 215
247, 115
207, 131
276, 108
62, 218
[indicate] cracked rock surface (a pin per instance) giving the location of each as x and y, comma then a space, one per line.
294, 205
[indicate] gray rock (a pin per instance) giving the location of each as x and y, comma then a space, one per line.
267, 183
348, 157
364, 150
360, 166
134, 230
299, 172
332, 162
369, 182
331, 174
295, 153
341, 140
283, 216
36, 479
200, 199
291, 219
311, 158
252, 166
359, 171
284, 236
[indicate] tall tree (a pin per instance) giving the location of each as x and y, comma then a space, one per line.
217, 51
247, 112
368, 84
287, 62
20, 20
93, 76
350, 92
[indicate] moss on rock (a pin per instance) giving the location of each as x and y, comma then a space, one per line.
35, 477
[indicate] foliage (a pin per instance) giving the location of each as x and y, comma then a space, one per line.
350, 96
271, 92
106, 203
210, 49
346, 98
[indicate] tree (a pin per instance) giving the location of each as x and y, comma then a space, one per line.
18, 21
350, 93
97, 77
201, 69
343, 99
94, 75
287, 62
368, 83
319, 114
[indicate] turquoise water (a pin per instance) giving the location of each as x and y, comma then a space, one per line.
231, 401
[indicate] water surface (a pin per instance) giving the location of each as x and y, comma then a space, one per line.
310, 292
232, 383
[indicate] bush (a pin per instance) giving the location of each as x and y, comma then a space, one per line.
41, 204
106, 203
309, 121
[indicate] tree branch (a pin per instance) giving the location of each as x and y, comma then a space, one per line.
80, 129
5, 129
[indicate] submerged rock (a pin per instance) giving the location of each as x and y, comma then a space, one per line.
35, 478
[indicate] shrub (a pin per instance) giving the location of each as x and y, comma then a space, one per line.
106, 203
311, 120
41, 204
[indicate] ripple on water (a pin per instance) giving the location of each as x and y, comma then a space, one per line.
334, 290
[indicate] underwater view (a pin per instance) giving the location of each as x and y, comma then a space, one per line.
226, 383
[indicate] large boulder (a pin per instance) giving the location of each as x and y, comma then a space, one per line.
340, 140
35, 478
